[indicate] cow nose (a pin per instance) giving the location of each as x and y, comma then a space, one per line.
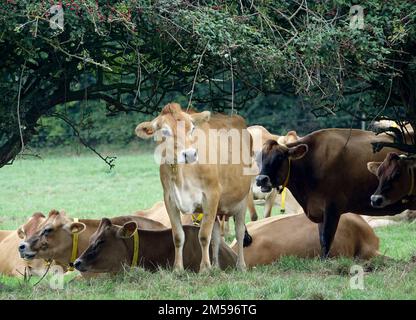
22, 247
262, 180
376, 200
77, 264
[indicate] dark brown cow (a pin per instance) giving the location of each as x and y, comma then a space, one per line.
396, 176
111, 247
328, 175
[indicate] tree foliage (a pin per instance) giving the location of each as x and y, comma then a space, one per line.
216, 54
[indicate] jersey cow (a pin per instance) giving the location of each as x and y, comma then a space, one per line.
54, 238
202, 175
111, 247
396, 176
260, 135
327, 173
10, 262
295, 235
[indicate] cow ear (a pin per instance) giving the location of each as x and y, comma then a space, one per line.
298, 152
21, 233
127, 230
201, 117
373, 167
291, 136
145, 130
75, 227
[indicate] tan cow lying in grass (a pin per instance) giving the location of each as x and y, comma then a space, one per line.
260, 135
159, 213
11, 263
296, 235
53, 240
111, 247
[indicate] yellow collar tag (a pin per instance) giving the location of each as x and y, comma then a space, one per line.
74, 249
197, 218
135, 249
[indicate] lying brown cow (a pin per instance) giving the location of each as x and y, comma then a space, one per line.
396, 176
53, 240
295, 235
191, 185
111, 247
260, 135
10, 262
328, 175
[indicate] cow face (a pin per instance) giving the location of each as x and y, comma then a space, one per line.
178, 127
52, 239
108, 248
394, 180
273, 163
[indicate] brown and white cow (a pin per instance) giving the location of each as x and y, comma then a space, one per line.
328, 175
111, 247
53, 239
396, 176
295, 235
191, 185
10, 262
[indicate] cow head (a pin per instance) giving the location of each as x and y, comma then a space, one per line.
52, 239
273, 163
394, 176
108, 248
178, 126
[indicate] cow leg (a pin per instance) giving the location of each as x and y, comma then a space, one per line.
215, 244
251, 206
327, 230
240, 228
268, 206
209, 207
177, 232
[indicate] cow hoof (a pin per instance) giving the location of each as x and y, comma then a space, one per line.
241, 267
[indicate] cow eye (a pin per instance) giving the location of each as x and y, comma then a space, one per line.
47, 231
166, 132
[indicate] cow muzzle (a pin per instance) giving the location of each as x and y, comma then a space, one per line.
25, 252
188, 156
378, 201
264, 183
80, 265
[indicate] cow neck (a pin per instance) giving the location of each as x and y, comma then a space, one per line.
410, 196
298, 183
83, 243
158, 250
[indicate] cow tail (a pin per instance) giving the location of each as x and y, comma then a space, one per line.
247, 239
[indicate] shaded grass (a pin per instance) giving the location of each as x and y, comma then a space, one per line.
84, 187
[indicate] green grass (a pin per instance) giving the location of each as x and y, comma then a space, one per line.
84, 187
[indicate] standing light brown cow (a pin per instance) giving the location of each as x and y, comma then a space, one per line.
328, 175
260, 135
396, 176
111, 247
54, 238
10, 262
195, 178
295, 235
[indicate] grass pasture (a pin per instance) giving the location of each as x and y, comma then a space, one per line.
85, 188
